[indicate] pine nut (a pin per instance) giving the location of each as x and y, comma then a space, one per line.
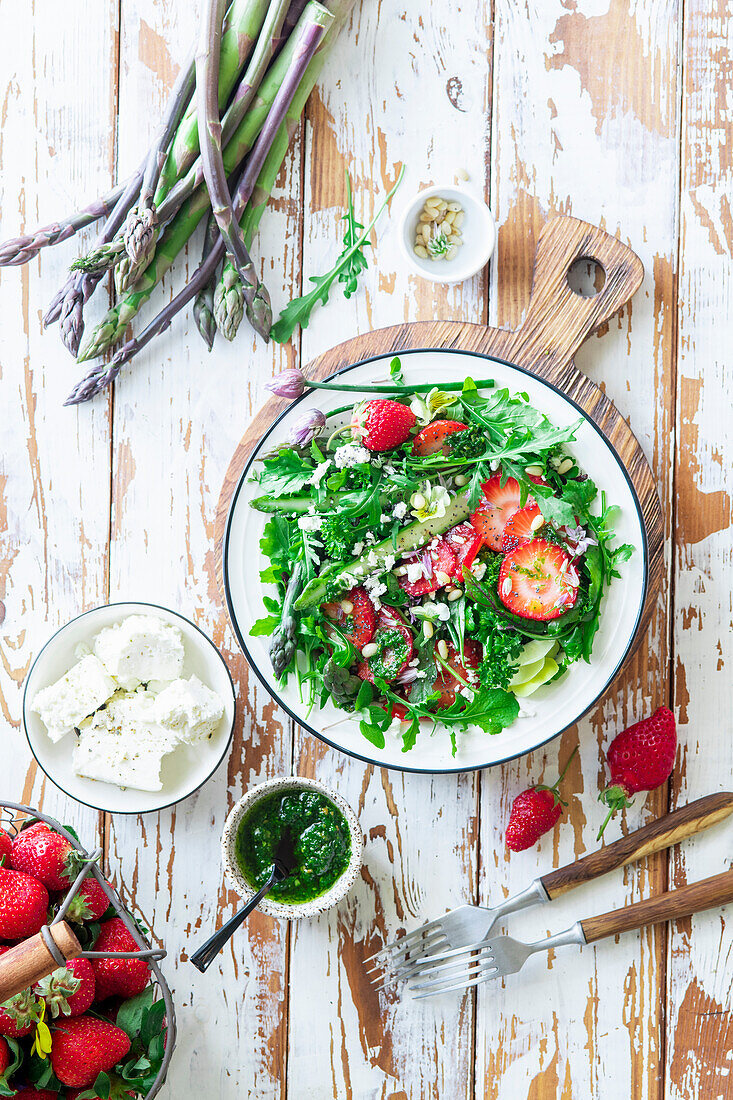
535, 470
448, 219
455, 595
426, 217
442, 578
458, 220
565, 465
347, 607
537, 522
442, 648
421, 251
463, 174
428, 629
454, 240
433, 201
400, 571
425, 233
461, 479
451, 252
454, 207
417, 500
442, 204
371, 649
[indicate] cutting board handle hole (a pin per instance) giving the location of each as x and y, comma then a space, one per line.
586, 277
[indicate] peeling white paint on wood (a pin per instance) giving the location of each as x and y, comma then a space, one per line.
574, 109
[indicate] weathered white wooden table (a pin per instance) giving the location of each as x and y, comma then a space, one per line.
619, 112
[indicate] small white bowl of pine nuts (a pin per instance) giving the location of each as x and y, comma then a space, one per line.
447, 233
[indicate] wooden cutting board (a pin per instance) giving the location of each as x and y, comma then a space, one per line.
557, 322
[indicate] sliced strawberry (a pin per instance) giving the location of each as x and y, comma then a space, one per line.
465, 542
500, 502
519, 528
359, 624
395, 650
537, 580
447, 684
431, 439
441, 560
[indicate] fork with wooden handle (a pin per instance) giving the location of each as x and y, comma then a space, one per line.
468, 925
502, 955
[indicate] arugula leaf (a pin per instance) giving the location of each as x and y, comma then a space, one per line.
298, 312
285, 472
357, 261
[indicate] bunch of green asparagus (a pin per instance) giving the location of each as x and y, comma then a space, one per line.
226, 130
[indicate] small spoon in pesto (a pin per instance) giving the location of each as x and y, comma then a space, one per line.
284, 863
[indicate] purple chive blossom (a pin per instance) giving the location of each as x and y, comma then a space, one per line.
306, 428
407, 676
580, 541
288, 383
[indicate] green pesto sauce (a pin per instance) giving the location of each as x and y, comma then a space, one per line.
319, 834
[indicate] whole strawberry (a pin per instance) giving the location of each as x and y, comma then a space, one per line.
46, 855
6, 843
4, 1057
20, 1014
90, 902
84, 1047
640, 758
534, 812
70, 990
118, 977
381, 424
23, 905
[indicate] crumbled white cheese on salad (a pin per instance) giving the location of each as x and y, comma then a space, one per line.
310, 523
415, 571
350, 454
319, 473
400, 510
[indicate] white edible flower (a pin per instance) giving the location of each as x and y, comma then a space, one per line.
442, 612
319, 472
426, 408
400, 510
580, 540
350, 454
432, 502
310, 523
426, 610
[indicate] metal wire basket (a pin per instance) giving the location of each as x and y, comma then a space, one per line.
13, 816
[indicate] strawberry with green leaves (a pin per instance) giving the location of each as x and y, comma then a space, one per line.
90, 902
45, 854
640, 758
69, 990
85, 1046
118, 977
20, 1014
23, 905
381, 424
534, 812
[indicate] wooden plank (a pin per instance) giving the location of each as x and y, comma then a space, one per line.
385, 99
178, 414
56, 153
585, 123
700, 968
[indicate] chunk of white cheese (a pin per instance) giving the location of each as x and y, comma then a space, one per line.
123, 743
65, 704
189, 708
139, 649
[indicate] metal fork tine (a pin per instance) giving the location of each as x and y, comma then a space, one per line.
404, 942
461, 974
486, 976
415, 958
425, 962
446, 971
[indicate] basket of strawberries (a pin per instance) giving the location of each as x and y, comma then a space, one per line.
85, 1011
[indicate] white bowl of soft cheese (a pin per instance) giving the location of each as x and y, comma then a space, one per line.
129, 708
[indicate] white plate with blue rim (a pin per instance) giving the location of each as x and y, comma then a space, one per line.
554, 707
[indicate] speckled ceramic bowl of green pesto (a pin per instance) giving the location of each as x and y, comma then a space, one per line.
231, 858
